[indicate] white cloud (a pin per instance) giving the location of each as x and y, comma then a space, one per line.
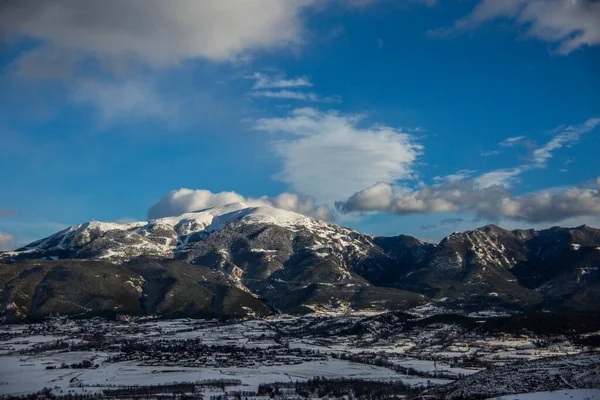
511, 141
90, 44
183, 200
7, 241
490, 153
569, 23
264, 81
281, 88
98, 49
294, 95
564, 136
132, 100
491, 203
458, 176
503, 177
329, 156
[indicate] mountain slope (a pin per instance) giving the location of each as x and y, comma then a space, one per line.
37, 289
293, 263
297, 264
557, 268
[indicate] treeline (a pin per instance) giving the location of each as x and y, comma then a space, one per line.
382, 361
394, 323
337, 388
319, 387
144, 392
546, 324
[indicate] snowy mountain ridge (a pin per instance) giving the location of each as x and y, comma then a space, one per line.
161, 237
295, 263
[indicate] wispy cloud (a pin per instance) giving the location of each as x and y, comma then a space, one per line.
511, 141
563, 136
7, 212
566, 137
279, 87
7, 241
458, 176
490, 153
98, 51
571, 24
444, 222
124, 101
264, 81
503, 177
294, 95
451, 221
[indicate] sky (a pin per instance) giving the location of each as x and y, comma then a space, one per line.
387, 116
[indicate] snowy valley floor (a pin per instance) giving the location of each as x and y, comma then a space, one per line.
258, 358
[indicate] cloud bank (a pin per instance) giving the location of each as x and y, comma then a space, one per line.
492, 203
183, 200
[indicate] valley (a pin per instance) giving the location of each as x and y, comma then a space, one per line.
417, 354
255, 302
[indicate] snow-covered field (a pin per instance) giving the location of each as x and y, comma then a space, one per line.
23, 375
142, 353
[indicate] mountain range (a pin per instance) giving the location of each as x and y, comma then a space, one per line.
235, 260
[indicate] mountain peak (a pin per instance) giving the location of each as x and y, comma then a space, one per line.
491, 228
159, 237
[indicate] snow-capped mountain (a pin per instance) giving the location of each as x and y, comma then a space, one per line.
167, 237
298, 264
295, 263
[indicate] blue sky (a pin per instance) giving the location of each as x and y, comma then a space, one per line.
416, 117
